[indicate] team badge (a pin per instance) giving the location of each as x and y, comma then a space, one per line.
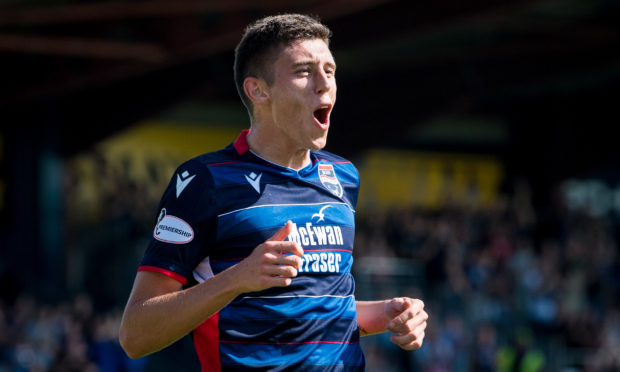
171, 229
328, 178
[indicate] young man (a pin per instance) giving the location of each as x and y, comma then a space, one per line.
252, 250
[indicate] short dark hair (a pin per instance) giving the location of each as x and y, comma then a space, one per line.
255, 52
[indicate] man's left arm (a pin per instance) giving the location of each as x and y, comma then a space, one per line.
403, 316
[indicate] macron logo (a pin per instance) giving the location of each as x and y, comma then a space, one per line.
254, 180
182, 181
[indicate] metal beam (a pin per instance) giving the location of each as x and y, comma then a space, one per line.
115, 10
82, 47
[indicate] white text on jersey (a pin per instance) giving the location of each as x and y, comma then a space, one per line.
310, 235
324, 262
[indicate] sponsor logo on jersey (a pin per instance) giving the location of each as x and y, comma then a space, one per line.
322, 262
317, 235
320, 215
183, 180
171, 229
328, 178
254, 180
311, 235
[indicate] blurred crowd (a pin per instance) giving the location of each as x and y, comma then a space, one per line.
66, 337
510, 288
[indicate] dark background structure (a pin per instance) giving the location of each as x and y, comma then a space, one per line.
532, 82
549, 69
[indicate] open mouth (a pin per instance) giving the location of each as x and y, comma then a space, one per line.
322, 115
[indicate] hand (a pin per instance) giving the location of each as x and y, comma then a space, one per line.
407, 322
267, 266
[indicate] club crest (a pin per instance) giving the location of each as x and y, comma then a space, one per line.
328, 178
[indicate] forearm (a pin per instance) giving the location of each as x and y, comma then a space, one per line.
152, 323
158, 314
371, 317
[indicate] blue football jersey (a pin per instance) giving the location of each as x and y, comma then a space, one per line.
217, 208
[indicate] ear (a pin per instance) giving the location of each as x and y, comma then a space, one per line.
257, 90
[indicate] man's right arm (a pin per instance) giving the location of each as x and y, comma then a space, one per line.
159, 313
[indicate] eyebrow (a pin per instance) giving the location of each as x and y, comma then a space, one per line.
312, 62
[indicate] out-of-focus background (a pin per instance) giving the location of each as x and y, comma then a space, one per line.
483, 132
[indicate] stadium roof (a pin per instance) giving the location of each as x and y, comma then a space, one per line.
536, 80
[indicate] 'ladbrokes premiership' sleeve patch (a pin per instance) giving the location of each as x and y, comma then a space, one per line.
171, 229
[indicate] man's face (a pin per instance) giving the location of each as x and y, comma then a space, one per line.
303, 94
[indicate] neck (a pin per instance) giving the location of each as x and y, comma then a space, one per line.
262, 143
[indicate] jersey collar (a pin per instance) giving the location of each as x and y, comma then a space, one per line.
241, 144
